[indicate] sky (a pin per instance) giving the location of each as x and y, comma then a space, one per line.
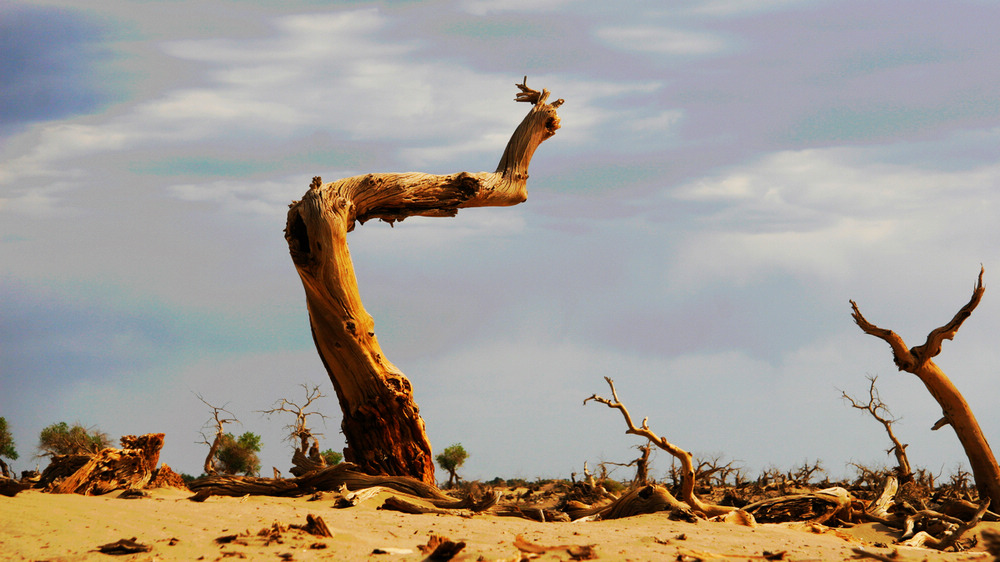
728, 175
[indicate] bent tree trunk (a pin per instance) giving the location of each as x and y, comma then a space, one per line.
956, 410
382, 424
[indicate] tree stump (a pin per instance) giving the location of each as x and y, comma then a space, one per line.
130, 467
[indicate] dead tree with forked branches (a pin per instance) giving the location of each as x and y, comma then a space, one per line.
687, 465
918, 361
306, 456
382, 425
217, 423
878, 409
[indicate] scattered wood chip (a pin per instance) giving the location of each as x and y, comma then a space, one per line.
315, 526
441, 548
225, 539
124, 546
860, 553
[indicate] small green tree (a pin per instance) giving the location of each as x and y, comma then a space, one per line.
238, 455
6, 447
332, 457
62, 439
452, 458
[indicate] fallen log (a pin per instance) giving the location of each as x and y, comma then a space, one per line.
644, 499
61, 467
817, 507
953, 528
130, 467
10, 487
335, 478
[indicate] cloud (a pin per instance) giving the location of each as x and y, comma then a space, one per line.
827, 213
486, 7
663, 40
729, 8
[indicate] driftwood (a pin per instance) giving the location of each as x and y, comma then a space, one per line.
130, 467
818, 507
644, 499
381, 421
540, 514
303, 464
165, 477
441, 548
685, 458
61, 467
878, 509
334, 478
124, 546
953, 528
10, 487
918, 361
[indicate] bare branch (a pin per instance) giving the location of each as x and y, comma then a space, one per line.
687, 466
217, 423
298, 429
932, 347
900, 353
880, 411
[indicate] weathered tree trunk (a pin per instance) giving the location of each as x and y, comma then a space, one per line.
382, 424
130, 467
956, 410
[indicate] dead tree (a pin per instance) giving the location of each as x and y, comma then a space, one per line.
918, 361
642, 465
382, 425
306, 456
877, 408
687, 465
217, 422
130, 467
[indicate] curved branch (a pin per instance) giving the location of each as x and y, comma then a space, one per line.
932, 347
900, 353
687, 465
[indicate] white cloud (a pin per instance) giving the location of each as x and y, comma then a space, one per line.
662, 40
825, 213
266, 198
485, 7
725, 8
662, 122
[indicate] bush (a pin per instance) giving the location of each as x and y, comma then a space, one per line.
6, 447
332, 457
238, 455
61, 439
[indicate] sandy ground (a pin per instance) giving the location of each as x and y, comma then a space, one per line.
41, 526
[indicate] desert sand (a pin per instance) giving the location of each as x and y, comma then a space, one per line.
66, 527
